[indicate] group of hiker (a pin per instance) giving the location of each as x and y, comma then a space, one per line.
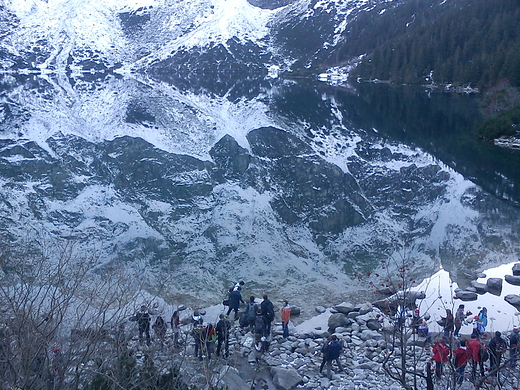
473, 351
452, 324
144, 319
257, 317
476, 353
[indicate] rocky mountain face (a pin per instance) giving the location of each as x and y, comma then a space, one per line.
278, 214
162, 144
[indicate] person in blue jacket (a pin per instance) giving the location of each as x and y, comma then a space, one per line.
331, 351
482, 320
235, 297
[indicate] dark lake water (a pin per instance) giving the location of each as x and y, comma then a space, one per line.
442, 124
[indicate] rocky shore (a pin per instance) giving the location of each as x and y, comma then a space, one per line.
294, 362
367, 331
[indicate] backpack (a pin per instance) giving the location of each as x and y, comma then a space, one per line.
251, 311
211, 334
243, 320
259, 324
268, 311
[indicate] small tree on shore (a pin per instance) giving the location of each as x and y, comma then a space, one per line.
404, 350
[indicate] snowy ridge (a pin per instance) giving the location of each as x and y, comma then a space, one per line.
213, 22
68, 25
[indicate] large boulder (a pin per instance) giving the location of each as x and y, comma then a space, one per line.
514, 300
465, 295
402, 298
285, 378
480, 288
516, 269
338, 319
230, 377
494, 286
365, 308
295, 311
513, 279
374, 324
345, 307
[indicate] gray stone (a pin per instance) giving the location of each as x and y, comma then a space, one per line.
367, 316
516, 269
370, 335
369, 366
295, 311
514, 300
285, 378
481, 275
320, 309
480, 288
513, 279
365, 308
345, 307
374, 324
465, 295
336, 320
231, 380
494, 285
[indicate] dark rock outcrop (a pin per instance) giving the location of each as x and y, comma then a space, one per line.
512, 279
514, 300
337, 320
465, 295
285, 378
494, 286
480, 288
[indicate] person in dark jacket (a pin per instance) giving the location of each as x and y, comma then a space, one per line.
235, 298
449, 324
143, 324
250, 312
514, 347
176, 328
223, 326
497, 347
460, 316
267, 309
159, 328
259, 324
199, 336
331, 351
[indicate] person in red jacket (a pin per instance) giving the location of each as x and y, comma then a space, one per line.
461, 356
476, 349
440, 355
286, 317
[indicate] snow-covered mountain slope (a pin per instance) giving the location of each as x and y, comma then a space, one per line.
58, 35
194, 192
155, 137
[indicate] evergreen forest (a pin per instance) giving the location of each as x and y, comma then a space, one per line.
459, 42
